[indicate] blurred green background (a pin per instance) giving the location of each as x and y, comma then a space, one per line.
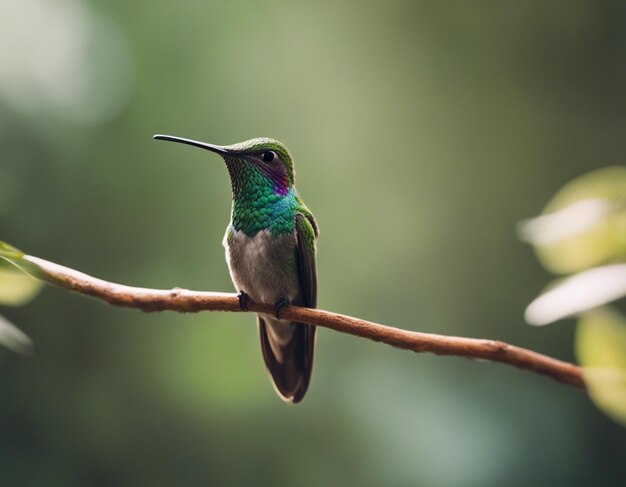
422, 133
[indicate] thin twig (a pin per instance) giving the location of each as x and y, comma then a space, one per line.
183, 300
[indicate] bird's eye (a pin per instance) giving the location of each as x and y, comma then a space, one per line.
268, 156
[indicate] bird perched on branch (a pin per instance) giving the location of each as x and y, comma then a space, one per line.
270, 247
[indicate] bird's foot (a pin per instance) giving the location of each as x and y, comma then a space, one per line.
279, 305
243, 300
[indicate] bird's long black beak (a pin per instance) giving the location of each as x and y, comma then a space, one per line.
212, 147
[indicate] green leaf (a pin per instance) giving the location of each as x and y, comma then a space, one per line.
601, 351
13, 338
584, 225
16, 287
10, 252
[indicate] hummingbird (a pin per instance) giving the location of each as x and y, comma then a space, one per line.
271, 247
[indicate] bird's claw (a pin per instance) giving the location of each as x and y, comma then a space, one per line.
243, 300
279, 305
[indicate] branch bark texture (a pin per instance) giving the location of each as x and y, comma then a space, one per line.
183, 300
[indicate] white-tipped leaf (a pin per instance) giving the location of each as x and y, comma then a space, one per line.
580, 292
13, 338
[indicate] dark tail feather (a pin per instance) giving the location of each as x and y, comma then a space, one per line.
288, 355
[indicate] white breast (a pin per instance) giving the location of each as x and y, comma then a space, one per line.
263, 266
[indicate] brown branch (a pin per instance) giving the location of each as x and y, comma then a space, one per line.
183, 300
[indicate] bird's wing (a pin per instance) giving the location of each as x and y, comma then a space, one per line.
291, 368
307, 268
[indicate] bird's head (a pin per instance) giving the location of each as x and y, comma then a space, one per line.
255, 164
